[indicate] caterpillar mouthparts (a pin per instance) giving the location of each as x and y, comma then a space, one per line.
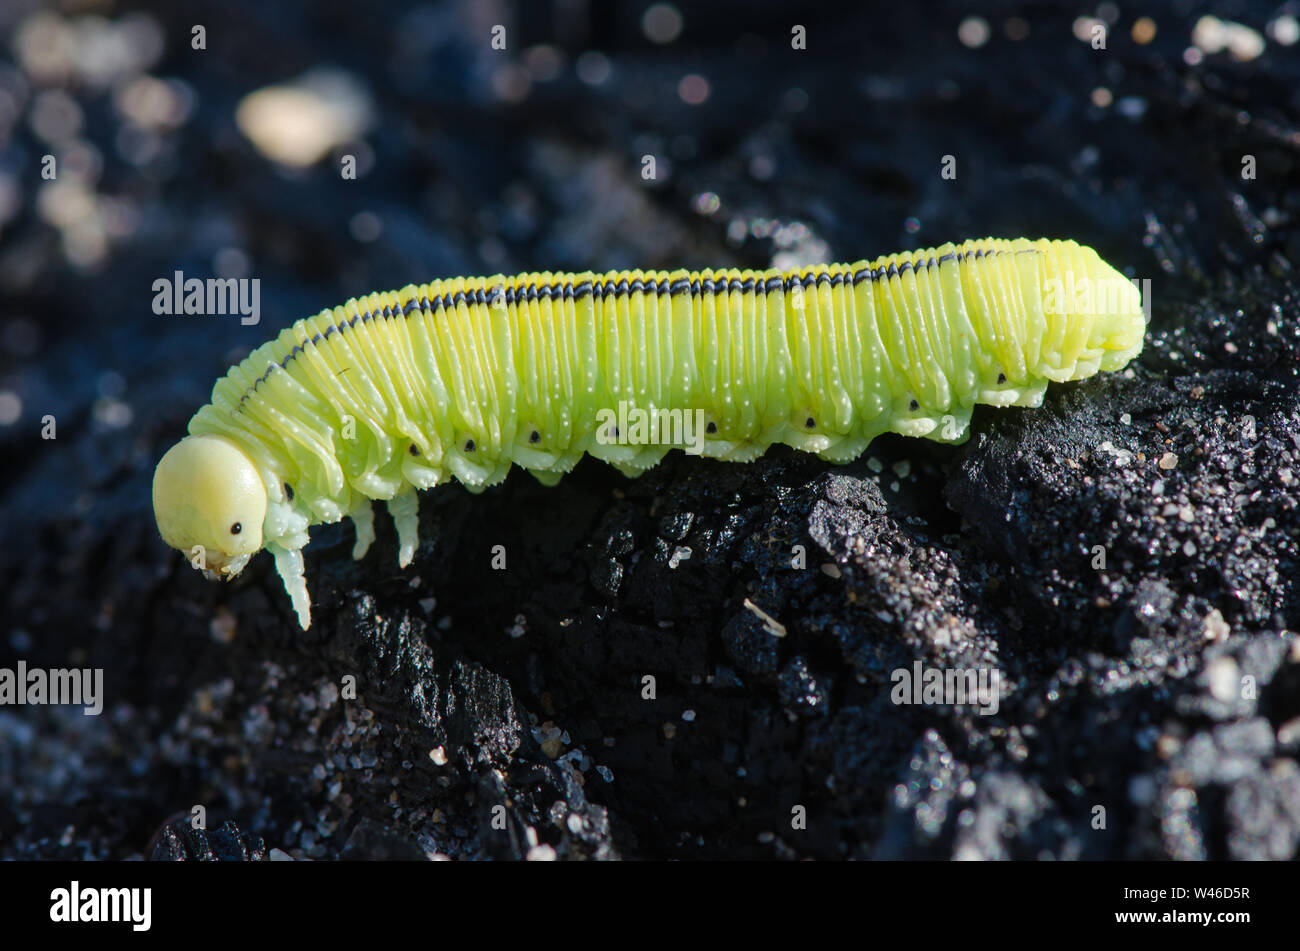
466, 377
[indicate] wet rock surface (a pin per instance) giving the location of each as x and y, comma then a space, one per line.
1124, 557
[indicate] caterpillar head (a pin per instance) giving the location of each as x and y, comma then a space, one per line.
207, 494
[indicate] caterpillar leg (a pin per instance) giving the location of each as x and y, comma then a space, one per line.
363, 518
405, 510
954, 426
734, 451
845, 449
288, 562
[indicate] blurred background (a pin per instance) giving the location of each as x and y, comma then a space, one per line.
330, 149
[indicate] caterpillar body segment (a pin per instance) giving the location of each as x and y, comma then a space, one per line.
464, 378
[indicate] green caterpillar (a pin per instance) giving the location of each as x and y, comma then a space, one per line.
402, 390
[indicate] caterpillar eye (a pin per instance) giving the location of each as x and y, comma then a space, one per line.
236, 528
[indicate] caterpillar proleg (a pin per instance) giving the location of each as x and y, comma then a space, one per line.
403, 390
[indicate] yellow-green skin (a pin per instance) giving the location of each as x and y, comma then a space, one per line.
400, 391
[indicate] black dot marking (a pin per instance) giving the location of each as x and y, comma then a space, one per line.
236, 529
914, 405
414, 449
712, 427
469, 445
534, 436
810, 422
1002, 378
288, 490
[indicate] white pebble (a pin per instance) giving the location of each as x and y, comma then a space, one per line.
1225, 679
